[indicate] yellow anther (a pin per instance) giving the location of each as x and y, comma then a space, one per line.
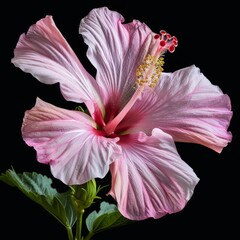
149, 71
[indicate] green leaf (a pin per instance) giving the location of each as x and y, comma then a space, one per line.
108, 217
38, 188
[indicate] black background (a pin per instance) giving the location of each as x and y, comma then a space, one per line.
207, 38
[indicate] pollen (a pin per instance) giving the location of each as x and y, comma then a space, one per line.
149, 72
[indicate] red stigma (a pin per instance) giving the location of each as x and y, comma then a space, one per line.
171, 48
167, 41
162, 43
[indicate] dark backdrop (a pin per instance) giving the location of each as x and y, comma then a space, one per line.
207, 38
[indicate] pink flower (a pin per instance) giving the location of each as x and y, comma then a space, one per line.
136, 112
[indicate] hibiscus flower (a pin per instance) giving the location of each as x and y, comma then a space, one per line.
136, 112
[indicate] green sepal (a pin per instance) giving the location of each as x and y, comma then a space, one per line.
108, 217
38, 188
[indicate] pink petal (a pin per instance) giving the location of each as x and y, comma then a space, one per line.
69, 142
151, 180
187, 106
45, 54
116, 50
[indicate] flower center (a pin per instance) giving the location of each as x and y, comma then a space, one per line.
147, 74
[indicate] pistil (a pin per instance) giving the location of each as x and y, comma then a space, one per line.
147, 75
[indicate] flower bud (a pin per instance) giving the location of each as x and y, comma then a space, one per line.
84, 195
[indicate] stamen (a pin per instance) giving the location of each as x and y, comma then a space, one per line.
149, 71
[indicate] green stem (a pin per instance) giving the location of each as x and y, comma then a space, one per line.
79, 225
69, 232
88, 237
